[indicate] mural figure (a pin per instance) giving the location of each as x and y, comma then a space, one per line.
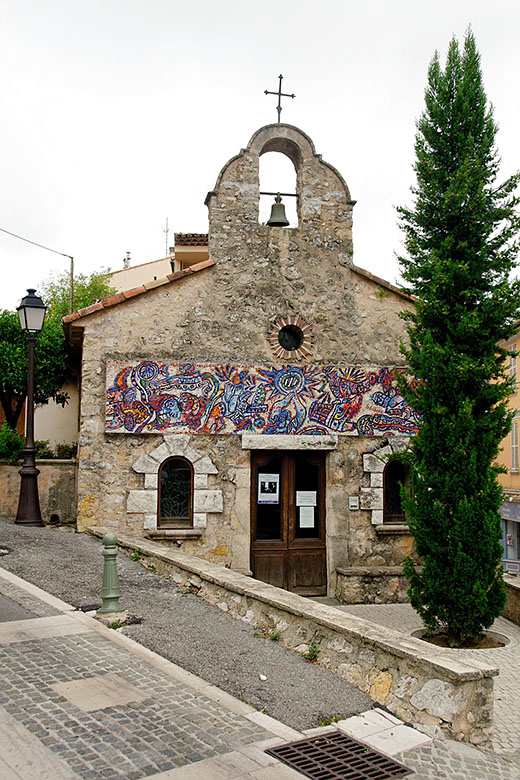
148, 397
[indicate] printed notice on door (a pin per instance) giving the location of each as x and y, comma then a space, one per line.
306, 517
268, 488
305, 498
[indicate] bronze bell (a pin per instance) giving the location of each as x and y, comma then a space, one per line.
278, 218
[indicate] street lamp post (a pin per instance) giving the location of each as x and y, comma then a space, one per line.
31, 312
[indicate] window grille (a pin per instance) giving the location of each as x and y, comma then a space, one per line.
396, 473
175, 494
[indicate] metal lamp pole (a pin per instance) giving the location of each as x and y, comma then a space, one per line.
32, 314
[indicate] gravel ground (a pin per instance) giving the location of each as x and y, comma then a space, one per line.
182, 627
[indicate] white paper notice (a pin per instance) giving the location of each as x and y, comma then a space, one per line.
306, 517
268, 488
305, 498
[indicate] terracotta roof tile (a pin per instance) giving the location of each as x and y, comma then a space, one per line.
74, 316
90, 309
154, 283
114, 300
191, 239
134, 291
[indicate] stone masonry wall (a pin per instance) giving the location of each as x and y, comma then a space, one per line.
56, 490
512, 608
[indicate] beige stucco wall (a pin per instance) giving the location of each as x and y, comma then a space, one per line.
128, 278
58, 424
225, 314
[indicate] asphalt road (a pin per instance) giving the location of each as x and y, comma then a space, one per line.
182, 627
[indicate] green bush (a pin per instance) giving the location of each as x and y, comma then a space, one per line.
11, 443
44, 450
65, 451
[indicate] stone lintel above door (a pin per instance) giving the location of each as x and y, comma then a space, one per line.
252, 441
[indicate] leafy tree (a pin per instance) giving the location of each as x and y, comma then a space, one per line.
461, 240
52, 355
87, 289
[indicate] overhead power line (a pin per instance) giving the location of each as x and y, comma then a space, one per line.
48, 248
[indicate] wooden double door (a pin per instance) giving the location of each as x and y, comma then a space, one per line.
288, 520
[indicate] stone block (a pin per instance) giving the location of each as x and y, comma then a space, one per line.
252, 441
377, 516
200, 481
204, 466
362, 726
208, 501
371, 464
397, 739
177, 443
440, 698
400, 443
371, 498
150, 522
376, 479
142, 501
200, 519
151, 481
192, 455
145, 465
160, 453
383, 452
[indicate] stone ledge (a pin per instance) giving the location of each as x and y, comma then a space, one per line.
174, 533
392, 528
436, 659
371, 571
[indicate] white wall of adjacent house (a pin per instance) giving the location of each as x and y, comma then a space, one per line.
57, 424
134, 276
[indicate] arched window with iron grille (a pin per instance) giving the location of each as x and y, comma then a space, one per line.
395, 475
175, 498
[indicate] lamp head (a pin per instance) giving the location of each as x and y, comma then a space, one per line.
31, 312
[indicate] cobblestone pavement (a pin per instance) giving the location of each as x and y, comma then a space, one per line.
448, 760
81, 701
403, 618
183, 628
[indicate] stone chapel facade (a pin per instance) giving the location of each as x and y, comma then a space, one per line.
245, 409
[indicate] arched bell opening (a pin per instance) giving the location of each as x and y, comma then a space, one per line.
278, 175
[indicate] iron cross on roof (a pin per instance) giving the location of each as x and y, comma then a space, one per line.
280, 95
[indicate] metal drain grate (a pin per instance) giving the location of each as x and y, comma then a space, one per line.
336, 756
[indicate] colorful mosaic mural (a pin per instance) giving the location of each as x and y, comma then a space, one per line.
153, 397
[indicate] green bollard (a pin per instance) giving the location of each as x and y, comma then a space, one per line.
110, 589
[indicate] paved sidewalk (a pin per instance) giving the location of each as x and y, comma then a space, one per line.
79, 700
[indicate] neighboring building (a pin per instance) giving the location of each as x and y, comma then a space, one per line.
510, 481
244, 408
189, 249
55, 423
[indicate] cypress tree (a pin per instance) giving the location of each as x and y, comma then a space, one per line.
460, 236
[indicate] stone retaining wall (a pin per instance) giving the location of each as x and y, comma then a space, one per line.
420, 683
371, 585
511, 610
56, 489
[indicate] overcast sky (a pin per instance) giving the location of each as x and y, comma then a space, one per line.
118, 114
